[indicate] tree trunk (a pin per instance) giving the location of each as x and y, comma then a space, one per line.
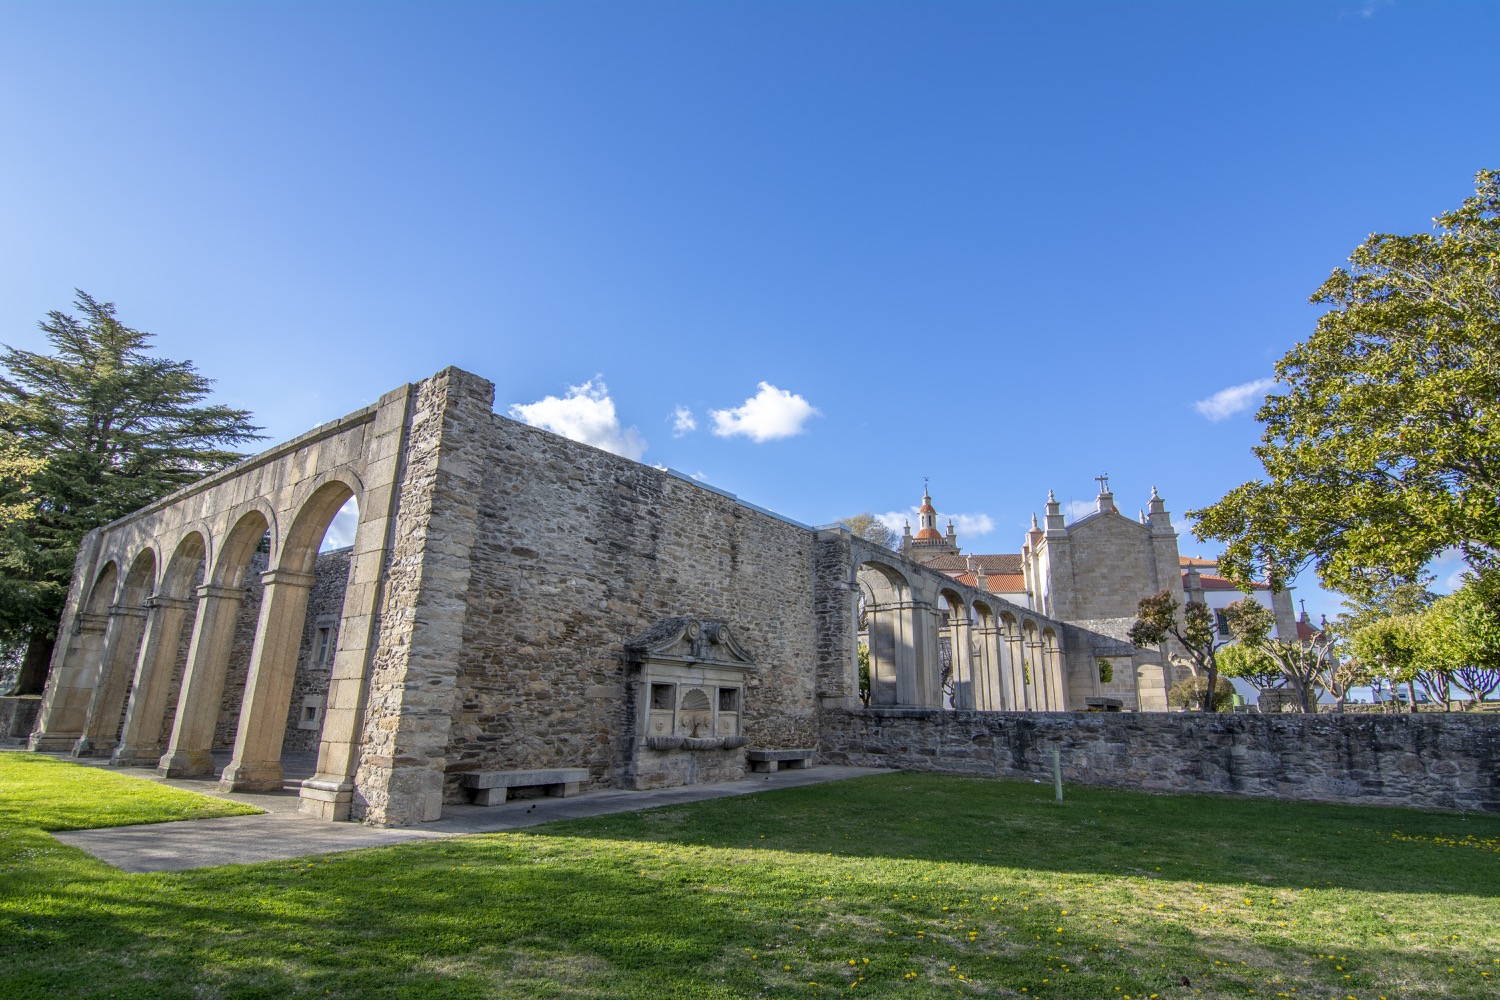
33, 676
1411, 695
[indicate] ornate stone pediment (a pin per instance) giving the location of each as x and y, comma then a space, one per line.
689, 641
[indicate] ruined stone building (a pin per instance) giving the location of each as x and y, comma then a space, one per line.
515, 600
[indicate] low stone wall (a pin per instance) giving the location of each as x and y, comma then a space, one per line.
1433, 760
18, 716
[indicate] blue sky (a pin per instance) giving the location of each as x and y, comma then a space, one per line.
1006, 246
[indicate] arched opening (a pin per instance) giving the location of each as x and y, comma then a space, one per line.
988, 693
122, 640
64, 708
955, 657
162, 656
1031, 667
1057, 691
223, 623
291, 663
1012, 652
886, 634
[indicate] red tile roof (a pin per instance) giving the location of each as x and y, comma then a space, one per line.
1187, 561
1000, 583
1008, 562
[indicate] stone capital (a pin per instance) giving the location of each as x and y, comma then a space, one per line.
287, 578
163, 602
91, 621
126, 611
222, 593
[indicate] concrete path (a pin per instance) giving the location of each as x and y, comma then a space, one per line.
281, 832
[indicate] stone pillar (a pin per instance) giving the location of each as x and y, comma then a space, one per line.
412, 686
917, 683
329, 794
65, 705
122, 639
256, 766
140, 737
190, 753
885, 645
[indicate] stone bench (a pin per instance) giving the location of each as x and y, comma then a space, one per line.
769, 761
490, 788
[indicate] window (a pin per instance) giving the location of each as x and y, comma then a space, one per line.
323, 645
661, 697
1222, 621
729, 699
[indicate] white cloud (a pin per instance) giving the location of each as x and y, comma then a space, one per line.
966, 525
700, 477
340, 533
1074, 509
1235, 399
683, 421
769, 414
585, 414
972, 524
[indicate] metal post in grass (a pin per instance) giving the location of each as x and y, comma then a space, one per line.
1057, 773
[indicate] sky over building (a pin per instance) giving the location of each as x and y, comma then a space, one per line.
808, 253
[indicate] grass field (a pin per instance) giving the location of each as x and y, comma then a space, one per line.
899, 885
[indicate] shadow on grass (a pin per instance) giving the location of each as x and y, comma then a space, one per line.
537, 916
1095, 831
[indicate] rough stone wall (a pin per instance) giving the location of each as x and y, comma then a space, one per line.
245, 624
1434, 761
579, 551
412, 696
325, 603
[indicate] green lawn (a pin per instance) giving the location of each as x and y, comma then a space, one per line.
900, 885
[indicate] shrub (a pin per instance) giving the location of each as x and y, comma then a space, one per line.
1188, 694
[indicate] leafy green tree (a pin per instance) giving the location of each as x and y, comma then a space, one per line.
1251, 665
113, 429
1390, 648
1195, 633
1302, 663
1384, 446
867, 527
1460, 637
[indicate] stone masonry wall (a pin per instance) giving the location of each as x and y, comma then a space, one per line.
1437, 761
1113, 567
577, 552
325, 603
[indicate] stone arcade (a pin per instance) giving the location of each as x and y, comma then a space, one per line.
517, 602
513, 600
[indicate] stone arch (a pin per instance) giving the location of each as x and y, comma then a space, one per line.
122, 637
987, 654
77, 667
250, 524
1052, 671
889, 632
221, 598
263, 718
1012, 682
1031, 666
158, 665
310, 523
